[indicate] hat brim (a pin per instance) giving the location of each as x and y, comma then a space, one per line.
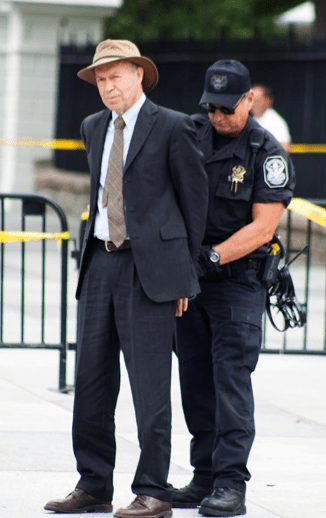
150, 78
228, 101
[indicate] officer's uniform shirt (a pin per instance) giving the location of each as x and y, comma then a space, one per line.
238, 177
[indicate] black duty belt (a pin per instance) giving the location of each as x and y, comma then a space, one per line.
226, 271
108, 246
242, 264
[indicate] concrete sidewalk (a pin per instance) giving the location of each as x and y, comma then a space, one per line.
288, 460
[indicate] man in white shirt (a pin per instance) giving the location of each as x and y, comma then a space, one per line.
267, 117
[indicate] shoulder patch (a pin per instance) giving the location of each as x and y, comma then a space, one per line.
276, 172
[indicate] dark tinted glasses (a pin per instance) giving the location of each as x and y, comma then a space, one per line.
211, 108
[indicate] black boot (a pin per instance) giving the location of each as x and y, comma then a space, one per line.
189, 496
223, 502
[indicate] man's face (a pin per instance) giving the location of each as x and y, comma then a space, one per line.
232, 125
261, 101
119, 85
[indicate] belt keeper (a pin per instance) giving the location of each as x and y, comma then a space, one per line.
106, 246
110, 247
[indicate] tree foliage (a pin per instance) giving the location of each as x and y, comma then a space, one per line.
146, 20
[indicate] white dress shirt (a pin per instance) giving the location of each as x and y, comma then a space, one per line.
101, 229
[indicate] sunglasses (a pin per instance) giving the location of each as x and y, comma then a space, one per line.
211, 108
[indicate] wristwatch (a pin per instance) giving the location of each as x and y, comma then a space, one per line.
214, 257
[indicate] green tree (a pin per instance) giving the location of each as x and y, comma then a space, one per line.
145, 20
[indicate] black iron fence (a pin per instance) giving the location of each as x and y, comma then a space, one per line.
295, 71
298, 233
33, 275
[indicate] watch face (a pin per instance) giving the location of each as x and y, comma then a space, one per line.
214, 256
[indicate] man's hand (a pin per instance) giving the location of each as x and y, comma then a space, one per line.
182, 305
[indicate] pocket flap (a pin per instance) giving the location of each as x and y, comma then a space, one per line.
246, 316
173, 232
243, 191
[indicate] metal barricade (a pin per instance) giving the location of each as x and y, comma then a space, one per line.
309, 276
33, 275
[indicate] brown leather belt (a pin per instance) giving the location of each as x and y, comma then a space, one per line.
108, 246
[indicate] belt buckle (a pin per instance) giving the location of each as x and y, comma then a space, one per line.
106, 246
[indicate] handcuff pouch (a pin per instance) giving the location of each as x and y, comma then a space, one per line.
270, 269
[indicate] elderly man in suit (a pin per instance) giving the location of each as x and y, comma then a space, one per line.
148, 207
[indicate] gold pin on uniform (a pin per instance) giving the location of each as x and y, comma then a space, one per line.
237, 176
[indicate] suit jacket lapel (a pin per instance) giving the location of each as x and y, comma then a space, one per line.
146, 119
98, 139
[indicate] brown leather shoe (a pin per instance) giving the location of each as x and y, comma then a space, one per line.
79, 502
145, 507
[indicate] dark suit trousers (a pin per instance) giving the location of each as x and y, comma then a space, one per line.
114, 314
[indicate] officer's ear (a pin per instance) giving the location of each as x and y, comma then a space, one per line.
250, 99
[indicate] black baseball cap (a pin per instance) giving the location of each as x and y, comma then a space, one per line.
225, 82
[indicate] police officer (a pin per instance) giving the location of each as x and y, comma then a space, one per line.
251, 179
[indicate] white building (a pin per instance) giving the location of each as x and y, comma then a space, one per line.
304, 13
30, 34
301, 19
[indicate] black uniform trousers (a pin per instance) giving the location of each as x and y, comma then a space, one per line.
114, 314
218, 344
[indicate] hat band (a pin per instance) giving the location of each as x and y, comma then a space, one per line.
103, 57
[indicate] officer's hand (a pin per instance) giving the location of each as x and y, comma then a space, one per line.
205, 267
182, 305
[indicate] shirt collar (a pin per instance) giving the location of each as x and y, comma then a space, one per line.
130, 116
237, 147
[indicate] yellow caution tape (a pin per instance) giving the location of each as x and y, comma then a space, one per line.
309, 210
8, 237
70, 144
308, 148
74, 144
303, 207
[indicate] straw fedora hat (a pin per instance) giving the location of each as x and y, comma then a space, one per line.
109, 51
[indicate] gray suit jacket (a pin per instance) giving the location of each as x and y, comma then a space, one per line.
165, 193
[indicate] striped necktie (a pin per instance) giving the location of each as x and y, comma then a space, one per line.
112, 195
